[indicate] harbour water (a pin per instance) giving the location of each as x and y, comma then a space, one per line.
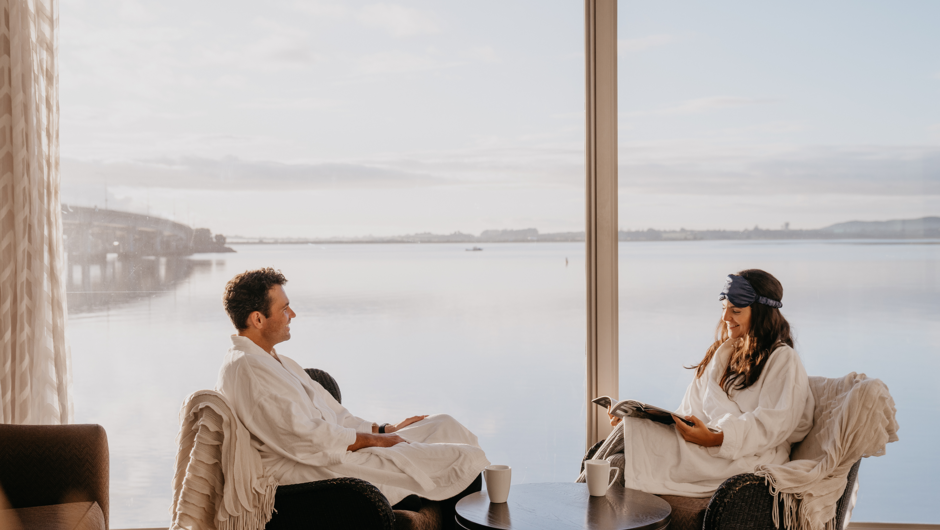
496, 339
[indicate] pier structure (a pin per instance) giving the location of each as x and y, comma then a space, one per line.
93, 233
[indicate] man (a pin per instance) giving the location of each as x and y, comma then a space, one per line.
303, 434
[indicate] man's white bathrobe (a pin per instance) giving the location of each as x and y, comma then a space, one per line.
759, 423
302, 432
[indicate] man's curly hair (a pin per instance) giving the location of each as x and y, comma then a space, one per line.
248, 292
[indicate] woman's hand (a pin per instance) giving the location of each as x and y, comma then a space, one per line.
405, 423
614, 420
698, 433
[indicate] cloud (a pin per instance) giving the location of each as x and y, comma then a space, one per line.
717, 170
143, 66
274, 47
483, 54
398, 21
644, 43
396, 62
322, 9
292, 104
233, 174
690, 184
133, 10
103, 143
399, 62
693, 167
230, 81
700, 105
504, 166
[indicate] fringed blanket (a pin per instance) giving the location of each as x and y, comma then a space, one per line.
854, 418
219, 482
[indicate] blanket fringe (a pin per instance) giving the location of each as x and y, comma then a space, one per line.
794, 516
256, 519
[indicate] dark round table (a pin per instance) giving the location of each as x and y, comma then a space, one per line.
562, 505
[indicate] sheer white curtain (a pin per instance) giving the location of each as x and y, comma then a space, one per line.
35, 371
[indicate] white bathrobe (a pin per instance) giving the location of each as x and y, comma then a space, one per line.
759, 423
302, 432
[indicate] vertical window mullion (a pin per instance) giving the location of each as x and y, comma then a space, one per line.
601, 208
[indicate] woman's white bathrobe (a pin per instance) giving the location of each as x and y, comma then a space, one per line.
759, 423
302, 432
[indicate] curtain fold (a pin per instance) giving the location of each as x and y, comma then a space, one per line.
35, 365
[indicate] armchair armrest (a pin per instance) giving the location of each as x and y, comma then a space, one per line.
339, 503
742, 501
52, 464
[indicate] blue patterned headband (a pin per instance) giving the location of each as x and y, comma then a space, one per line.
740, 293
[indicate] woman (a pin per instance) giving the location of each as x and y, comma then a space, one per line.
749, 401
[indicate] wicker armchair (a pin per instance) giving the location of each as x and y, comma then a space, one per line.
347, 502
55, 476
742, 502
335, 503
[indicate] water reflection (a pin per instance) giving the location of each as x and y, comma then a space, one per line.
105, 282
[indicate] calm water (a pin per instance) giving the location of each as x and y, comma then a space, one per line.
496, 338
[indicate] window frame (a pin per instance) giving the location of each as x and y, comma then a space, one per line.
602, 346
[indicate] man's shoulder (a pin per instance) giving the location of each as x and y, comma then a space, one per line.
239, 360
238, 369
235, 358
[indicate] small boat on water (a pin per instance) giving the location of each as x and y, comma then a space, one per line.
474, 249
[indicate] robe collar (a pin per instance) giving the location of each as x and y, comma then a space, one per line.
247, 345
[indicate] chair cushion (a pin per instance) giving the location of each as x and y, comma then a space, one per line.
688, 513
428, 518
69, 516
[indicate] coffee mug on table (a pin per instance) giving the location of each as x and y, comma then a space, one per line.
497, 482
598, 477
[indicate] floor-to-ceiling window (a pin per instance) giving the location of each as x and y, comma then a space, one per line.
789, 137
357, 121
306, 134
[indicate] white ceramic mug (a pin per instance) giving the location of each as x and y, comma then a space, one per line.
497, 482
598, 477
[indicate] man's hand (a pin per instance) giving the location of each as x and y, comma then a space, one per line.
402, 425
698, 433
364, 440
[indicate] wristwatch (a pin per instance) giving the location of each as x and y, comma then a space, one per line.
382, 428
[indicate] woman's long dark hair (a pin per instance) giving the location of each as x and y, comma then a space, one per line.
768, 330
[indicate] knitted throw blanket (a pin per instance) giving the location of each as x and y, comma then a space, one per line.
219, 482
612, 451
854, 418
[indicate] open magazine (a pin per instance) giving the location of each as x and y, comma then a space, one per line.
635, 409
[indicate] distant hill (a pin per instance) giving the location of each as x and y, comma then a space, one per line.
526, 234
923, 227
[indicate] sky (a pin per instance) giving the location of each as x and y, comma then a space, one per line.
323, 119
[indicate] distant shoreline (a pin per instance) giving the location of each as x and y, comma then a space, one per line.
97, 232
924, 228
837, 241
